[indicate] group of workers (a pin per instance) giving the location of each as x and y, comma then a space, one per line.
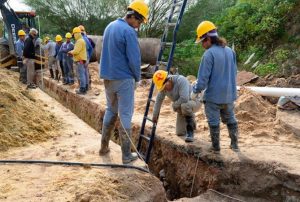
62, 56
120, 69
215, 86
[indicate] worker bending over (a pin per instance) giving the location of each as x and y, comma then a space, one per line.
178, 89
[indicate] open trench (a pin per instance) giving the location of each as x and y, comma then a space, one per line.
189, 171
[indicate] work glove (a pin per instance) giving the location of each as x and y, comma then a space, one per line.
175, 108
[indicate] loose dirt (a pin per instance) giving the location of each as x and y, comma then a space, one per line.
23, 119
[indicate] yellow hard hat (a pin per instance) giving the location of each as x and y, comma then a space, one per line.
81, 27
46, 39
203, 28
159, 78
21, 33
76, 30
58, 38
68, 35
140, 7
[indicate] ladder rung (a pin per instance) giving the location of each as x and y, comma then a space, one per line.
178, 4
172, 24
149, 119
151, 100
145, 137
167, 44
162, 63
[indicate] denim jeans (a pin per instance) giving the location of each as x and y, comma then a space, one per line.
82, 75
68, 69
214, 111
119, 100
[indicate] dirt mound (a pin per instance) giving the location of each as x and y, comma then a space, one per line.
22, 118
257, 117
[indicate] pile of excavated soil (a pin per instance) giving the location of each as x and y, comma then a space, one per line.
22, 118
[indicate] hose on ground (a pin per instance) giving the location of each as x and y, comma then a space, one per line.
73, 164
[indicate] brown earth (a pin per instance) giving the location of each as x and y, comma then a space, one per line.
23, 120
75, 142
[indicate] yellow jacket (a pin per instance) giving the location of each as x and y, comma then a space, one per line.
79, 51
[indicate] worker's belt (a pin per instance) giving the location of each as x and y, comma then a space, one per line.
81, 62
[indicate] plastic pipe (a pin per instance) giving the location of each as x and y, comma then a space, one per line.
273, 91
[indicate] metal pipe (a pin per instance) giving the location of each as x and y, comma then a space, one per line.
273, 91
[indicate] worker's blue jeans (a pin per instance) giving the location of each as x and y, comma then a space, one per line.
214, 111
68, 69
82, 75
119, 100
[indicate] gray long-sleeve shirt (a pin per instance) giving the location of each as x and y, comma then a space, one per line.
179, 94
50, 47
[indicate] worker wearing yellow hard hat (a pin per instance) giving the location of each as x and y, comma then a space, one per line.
67, 60
19, 52
80, 57
58, 56
217, 74
120, 68
177, 88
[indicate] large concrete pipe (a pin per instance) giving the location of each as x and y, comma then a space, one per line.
149, 49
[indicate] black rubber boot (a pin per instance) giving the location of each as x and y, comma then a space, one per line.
57, 75
215, 138
107, 131
127, 156
233, 134
51, 73
189, 129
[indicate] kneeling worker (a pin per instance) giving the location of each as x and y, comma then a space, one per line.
178, 89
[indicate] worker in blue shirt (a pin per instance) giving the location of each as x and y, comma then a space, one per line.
58, 56
67, 59
89, 51
120, 68
19, 51
217, 76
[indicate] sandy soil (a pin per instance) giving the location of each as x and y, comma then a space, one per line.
23, 118
73, 141
263, 138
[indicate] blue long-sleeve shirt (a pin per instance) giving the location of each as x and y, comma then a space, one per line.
65, 48
217, 74
19, 48
89, 47
121, 57
58, 55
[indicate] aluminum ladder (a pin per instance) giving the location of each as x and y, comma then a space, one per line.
173, 21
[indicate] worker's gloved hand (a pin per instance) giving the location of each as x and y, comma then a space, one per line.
175, 108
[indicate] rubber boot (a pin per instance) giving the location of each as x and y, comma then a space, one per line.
189, 129
215, 138
233, 134
57, 75
127, 156
51, 73
107, 131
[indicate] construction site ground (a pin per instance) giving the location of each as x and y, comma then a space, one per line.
72, 140
267, 167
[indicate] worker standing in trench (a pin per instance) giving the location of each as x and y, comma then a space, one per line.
80, 57
178, 89
217, 74
19, 51
120, 68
